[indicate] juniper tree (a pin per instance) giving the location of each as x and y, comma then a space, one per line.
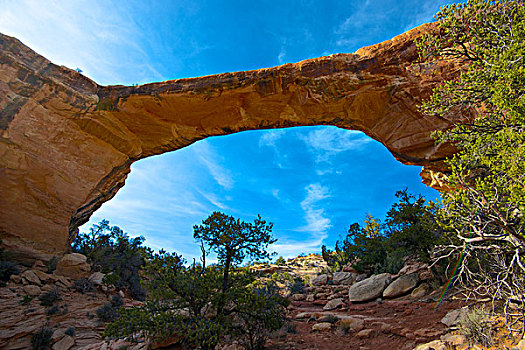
485, 204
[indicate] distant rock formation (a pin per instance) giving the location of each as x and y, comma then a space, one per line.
67, 143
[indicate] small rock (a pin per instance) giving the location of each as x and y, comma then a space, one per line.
342, 277
420, 291
302, 315
320, 280
426, 275
39, 266
453, 317
298, 297
328, 318
310, 297
365, 333
32, 290
30, 277
412, 268
44, 277
433, 345
15, 279
401, 285
385, 327
369, 289
353, 323
58, 334
323, 326
121, 293
333, 304
361, 277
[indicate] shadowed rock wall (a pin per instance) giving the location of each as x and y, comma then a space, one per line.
67, 143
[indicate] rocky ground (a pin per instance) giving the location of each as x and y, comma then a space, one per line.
341, 310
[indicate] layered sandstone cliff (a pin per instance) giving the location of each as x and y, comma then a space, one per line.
67, 143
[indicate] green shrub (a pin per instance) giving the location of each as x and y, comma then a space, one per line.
259, 311
7, 268
297, 287
110, 279
116, 301
26, 299
70, 331
280, 261
51, 264
52, 310
476, 327
49, 298
107, 313
84, 285
41, 340
409, 229
203, 303
112, 251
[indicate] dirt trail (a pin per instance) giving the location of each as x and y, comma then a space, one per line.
393, 324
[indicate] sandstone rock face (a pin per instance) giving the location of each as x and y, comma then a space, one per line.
369, 289
67, 143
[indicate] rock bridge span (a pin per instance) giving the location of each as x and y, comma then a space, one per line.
67, 143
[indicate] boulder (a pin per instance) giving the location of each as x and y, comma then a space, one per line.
64, 344
320, 280
420, 291
333, 304
32, 290
453, 317
44, 277
73, 265
96, 278
401, 285
30, 277
342, 277
369, 289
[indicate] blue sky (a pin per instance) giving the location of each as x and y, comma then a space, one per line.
311, 182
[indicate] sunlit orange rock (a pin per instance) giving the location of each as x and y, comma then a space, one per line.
67, 143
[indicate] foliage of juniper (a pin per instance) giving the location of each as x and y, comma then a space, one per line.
409, 229
201, 304
111, 250
484, 209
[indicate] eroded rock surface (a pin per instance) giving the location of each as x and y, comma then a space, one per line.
67, 143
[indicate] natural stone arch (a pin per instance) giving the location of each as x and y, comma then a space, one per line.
67, 143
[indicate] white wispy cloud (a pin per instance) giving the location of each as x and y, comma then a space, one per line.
329, 141
269, 139
213, 199
210, 159
316, 221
